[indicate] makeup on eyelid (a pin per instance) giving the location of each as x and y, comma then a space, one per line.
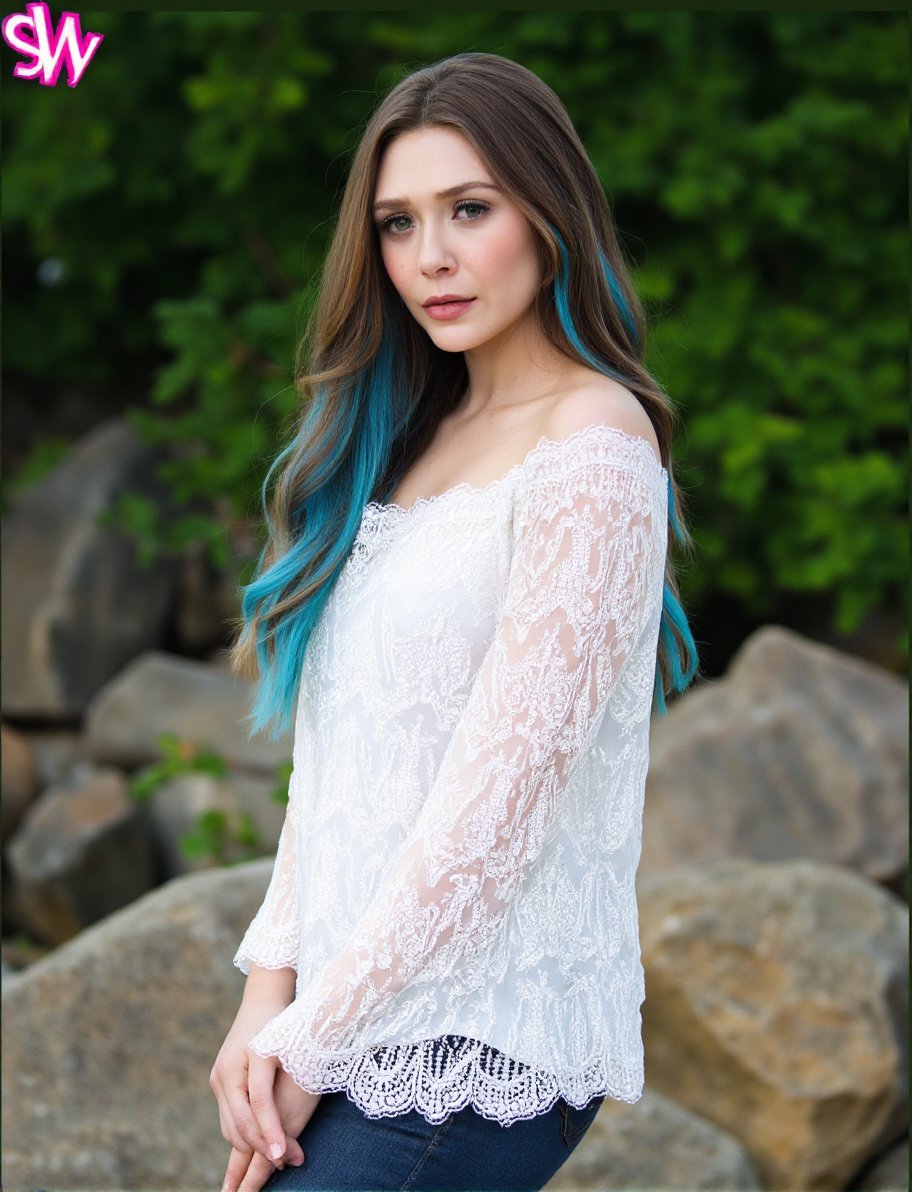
385, 224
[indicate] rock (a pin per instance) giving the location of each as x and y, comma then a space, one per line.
207, 601
655, 1144
77, 605
888, 1173
253, 795
80, 853
57, 752
175, 808
162, 693
21, 780
8, 973
777, 1001
798, 752
19, 952
108, 1043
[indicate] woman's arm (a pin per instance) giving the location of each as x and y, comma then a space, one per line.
271, 941
242, 1081
272, 985
252, 1115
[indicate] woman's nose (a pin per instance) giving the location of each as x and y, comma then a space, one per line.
434, 251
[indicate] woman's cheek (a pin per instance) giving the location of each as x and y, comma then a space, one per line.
396, 268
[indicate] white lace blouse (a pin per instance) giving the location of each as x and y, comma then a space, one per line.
465, 812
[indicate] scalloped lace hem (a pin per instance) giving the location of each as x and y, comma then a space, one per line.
440, 1076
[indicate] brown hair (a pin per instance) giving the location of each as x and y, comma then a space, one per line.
543, 167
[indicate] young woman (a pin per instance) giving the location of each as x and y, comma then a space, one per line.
467, 605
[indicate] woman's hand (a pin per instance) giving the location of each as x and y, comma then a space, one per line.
243, 1084
249, 1170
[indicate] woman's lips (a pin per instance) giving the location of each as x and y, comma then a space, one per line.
449, 310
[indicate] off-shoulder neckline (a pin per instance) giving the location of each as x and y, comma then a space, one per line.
544, 444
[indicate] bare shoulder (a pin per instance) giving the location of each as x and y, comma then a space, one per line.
600, 400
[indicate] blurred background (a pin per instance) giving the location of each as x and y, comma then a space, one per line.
164, 225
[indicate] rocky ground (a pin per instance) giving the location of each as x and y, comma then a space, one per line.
773, 885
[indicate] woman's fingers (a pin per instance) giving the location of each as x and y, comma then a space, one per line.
244, 1131
237, 1168
248, 1171
260, 1089
227, 1124
238, 1122
294, 1152
257, 1174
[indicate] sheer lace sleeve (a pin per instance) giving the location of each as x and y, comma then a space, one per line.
575, 605
271, 940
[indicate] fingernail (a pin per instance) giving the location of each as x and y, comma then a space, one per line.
275, 1151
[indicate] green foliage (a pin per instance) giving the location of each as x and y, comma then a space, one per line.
756, 166
43, 457
279, 793
180, 757
219, 838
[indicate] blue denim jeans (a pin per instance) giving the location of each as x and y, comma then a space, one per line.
346, 1150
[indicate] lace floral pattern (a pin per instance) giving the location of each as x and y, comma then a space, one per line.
465, 813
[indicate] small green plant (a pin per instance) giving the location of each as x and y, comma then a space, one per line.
216, 836
220, 839
181, 756
279, 793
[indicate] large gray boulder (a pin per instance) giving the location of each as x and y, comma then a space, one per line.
799, 751
197, 701
77, 604
109, 1041
208, 596
655, 1144
777, 1003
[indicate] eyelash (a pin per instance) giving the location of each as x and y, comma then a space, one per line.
385, 224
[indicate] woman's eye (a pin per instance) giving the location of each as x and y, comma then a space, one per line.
387, 225
481, 207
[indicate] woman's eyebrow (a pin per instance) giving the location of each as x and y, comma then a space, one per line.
441, 194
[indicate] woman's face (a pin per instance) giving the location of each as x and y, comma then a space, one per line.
473, 243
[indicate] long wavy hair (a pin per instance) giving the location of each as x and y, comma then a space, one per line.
374, 387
